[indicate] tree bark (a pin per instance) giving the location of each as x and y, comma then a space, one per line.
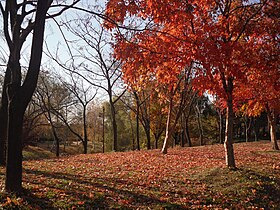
187, 135
137, 121
19, 96
115, 127
14, 153
200, 129
85, 140
148, 135
168, 130
221, 128
4, 120
255, 129
228, 144
272, 128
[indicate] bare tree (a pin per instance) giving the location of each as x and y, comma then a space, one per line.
55, 100
91, 59
84, 95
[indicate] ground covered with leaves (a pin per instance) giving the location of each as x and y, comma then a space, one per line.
185, 178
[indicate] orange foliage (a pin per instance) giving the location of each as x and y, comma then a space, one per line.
226, 39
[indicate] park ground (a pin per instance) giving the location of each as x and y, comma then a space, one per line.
185, 178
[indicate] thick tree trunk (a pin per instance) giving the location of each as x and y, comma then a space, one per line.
3, 134
14, 153
228, 144
4, 120
19, 96
272, 128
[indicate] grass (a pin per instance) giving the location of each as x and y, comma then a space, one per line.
185, 178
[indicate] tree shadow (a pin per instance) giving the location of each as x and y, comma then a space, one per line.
106, 193
268, 189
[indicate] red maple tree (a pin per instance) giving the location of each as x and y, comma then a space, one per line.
212, 34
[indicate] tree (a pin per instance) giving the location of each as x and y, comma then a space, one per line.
18, 23
210, 33
55, 101
263, 85
84, 96
91, 59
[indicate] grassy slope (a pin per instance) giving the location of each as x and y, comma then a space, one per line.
185, 178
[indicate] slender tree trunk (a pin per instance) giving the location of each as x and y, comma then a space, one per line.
103, 129
248, 123
148, 135
255, 129
137, 129
132, 132
221, 128
115, 127
56, 139
85, 140
57, 149
187, 135
228, 144
200, 129
137, 120
157, 136
156, 142
183, 131
168, 132
272, 128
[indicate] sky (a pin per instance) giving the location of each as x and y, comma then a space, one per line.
54, 39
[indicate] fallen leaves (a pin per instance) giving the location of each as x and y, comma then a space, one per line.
184, 178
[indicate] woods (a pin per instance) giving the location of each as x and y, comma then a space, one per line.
136, 75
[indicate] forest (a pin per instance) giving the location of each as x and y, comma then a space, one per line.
163, 99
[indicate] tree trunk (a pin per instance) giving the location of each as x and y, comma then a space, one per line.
157, 136
85, 139
137, 120
115, 127
272, 128
168, 132
248, 123
3, 135
200, 129
187, 135
228, 144
57, 150
56, 139
14, 153
19, 96
256, 129
221, 128
148, 135
4, 120
103, 129
137, 129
